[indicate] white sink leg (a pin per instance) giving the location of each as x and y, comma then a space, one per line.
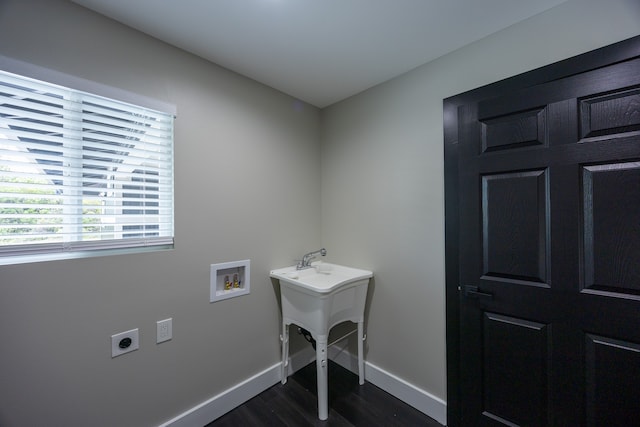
285, 352
321, 365
361, 352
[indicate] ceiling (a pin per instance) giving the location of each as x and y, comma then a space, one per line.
319, 51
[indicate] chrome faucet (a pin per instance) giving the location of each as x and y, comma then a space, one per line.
305, 262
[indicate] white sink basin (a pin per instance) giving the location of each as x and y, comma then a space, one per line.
321, 278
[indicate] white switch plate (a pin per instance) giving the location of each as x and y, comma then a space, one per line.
164, 330
116, 350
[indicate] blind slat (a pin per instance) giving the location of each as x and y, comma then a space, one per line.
149, 120
97, 103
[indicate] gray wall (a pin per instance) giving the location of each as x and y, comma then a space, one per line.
367, 178
243, 153
383, 175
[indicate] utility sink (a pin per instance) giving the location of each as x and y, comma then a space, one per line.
321, 278
318, 298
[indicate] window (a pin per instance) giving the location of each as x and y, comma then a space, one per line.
81, 172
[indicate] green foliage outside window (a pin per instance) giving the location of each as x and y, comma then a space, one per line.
35, 220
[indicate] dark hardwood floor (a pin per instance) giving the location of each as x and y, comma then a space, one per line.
294, 404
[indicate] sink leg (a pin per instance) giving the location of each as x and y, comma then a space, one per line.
321, 365
285, 352
361, 352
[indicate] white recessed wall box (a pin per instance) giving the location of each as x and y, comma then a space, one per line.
229, 279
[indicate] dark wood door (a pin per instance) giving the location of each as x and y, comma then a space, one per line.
549, 253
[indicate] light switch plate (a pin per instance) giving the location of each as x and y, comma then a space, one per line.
164, 330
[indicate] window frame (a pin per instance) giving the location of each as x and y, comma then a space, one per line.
34, 252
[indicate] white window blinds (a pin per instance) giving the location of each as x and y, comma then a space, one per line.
81, 172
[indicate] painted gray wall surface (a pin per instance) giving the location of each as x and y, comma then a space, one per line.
243, 154
367, 179
383, 176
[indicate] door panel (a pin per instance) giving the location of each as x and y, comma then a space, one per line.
611, 228
612, 377
549, 226
514, 130
515, 227
516, 393
612, 114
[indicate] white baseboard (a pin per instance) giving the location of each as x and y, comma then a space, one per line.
224, 402
422, 400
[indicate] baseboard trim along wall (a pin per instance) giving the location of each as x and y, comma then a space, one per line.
423, 401
224, 402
